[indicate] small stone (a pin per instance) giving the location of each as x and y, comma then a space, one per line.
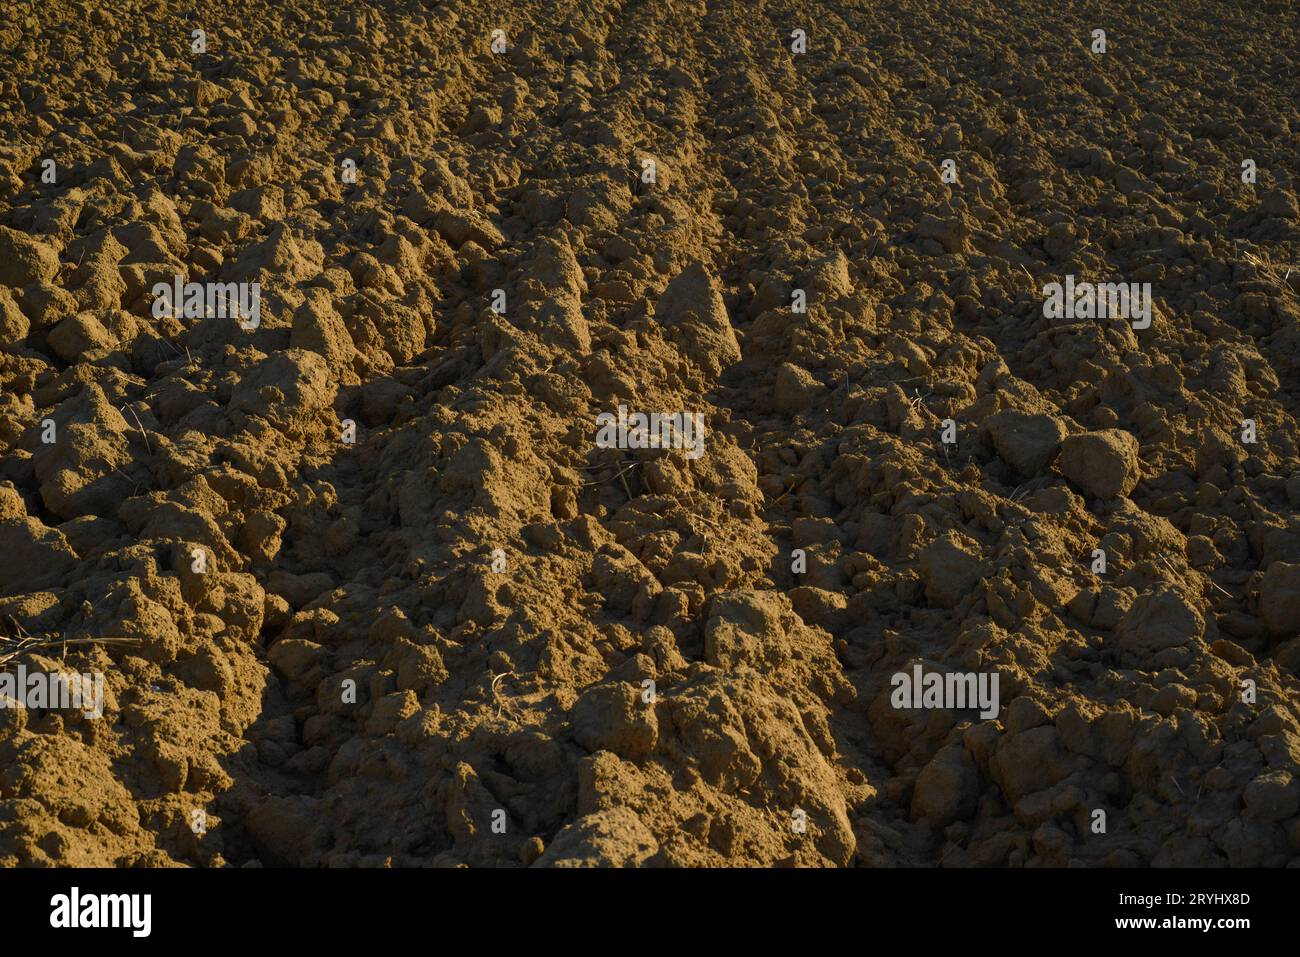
24, 260
949, 233
295, 657
614, 837
947, 789
390, 710
692, 304
1278, 202
317, 326
1025, 441
79, 334
532, 849
612, 717
1159, 620
1279, 599
32, 556
795, 388
1102, 464
14, 325
1273, 796
949, 572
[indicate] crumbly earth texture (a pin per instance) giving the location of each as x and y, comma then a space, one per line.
464, 634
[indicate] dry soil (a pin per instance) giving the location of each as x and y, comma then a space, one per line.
471, 635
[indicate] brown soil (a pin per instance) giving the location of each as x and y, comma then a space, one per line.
498, 589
